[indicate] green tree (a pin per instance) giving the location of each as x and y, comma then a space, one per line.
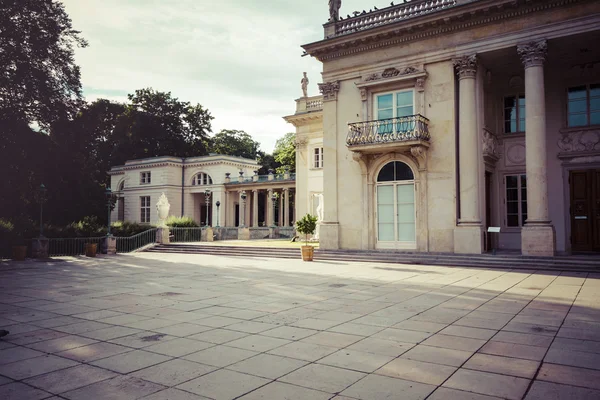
235, 143
285, 152
39, 81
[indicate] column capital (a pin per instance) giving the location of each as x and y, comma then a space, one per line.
466, 66
533, 53
286, 189
329, 90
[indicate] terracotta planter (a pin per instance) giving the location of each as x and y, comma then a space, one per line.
307, 253
19, 253
91, 249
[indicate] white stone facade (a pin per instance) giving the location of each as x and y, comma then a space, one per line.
493, 106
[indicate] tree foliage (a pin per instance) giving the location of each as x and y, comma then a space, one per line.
285, 152
235, 143
39, 81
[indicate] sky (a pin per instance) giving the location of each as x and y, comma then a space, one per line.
239, 59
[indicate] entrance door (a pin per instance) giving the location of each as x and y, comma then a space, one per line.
585, 210
396, 227
121, 209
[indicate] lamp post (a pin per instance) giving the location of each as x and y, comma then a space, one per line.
108, 194
274, 199
243, 219
218, 204
42, 191
207, 200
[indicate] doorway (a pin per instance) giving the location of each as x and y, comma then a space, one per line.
585, 209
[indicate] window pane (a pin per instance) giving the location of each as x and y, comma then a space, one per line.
510, 102
385, 101
577, 106
406, 232
578, 92
386, 232
595, 90
512, 207
404, 111
523, 181
406, 213
387, 173
403, 172
385, 114
406, 194
511, 181
512, 220
404, 99
385, 212
595, 118
595, 104
512, 195
522, 125
577, 120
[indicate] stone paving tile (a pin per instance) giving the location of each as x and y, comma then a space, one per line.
223, 384
303, 351
377, 387
71, 378
129, 362
352, 328
573, 358
94, 352
35, 366
182, 330
443, 393
59, 321
468, 332
142, 339
567, 375
487, 383
356, 360
416, 371
401, 335
82, 327
258, 343
317, 324
96, 315
523, 338
454, 342
587, 346
61, 344
35, 336
174, 372
267, 366
421, 326
110, 333
283, 391
552, 391
4, 380
178, 347
173, 394
381, 346
503, 365
438, 355
523, 351
149, 324
119, 388
14, 354
289, 332
20, 391
332, 339
217, 321
220, 356
218, 336
531, 328
322, 377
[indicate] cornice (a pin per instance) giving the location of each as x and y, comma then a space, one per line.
440, 23
302, 119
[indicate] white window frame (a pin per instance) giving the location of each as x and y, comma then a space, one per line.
519, 201
145, 178
588, 110
318, 157
394, 101
518, 97
145, 209
202, 179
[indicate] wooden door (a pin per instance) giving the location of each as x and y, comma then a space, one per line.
585, 210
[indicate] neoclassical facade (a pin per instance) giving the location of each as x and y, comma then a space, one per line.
214, 190
443, 118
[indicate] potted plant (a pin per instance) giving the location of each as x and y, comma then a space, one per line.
19, 248
307, 226
91, 249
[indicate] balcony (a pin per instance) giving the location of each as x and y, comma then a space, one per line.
388, 134
286, 177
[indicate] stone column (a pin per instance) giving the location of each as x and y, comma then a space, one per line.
280, 208
329, 231
255, 208
468, 235
241, 216
538, 237
270, 208
286, 207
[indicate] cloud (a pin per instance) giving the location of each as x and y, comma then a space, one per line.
240, 59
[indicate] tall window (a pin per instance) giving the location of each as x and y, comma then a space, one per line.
202, 179
318, 159
394, 105
516, 200
145, 209
145, 178
583, 105
514, 114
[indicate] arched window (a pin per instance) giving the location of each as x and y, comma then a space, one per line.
396, 214
202, 179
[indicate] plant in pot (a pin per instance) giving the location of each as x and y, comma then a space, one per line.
307, 226
19, 247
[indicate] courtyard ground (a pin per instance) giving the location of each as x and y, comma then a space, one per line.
183, 327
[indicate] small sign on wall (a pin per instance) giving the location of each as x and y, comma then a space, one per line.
494, 229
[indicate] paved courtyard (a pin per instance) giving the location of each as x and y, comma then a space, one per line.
183, 327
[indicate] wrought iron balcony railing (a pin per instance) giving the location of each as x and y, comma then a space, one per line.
402, 129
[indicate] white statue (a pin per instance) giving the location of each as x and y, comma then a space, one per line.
320, 208
162, 208
334, 10
304, 83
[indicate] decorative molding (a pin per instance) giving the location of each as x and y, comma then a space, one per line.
420, 84
516, 82
515, 154
579, 141
329, 90
419, 153
466, 66
301, 143
533, 53
489, 146
364, 94
391, 73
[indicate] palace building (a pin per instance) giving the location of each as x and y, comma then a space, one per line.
441, 118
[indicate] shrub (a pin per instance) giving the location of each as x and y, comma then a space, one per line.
181, 222
126, 229
87, 227
307, 226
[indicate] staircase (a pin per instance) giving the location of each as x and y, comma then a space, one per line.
512, 261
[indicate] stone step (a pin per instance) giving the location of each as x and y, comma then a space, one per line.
583, 264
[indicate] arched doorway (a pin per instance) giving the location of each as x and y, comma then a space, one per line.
395, 207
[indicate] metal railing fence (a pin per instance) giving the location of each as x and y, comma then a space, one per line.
71, 246
189, 234
131, 243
